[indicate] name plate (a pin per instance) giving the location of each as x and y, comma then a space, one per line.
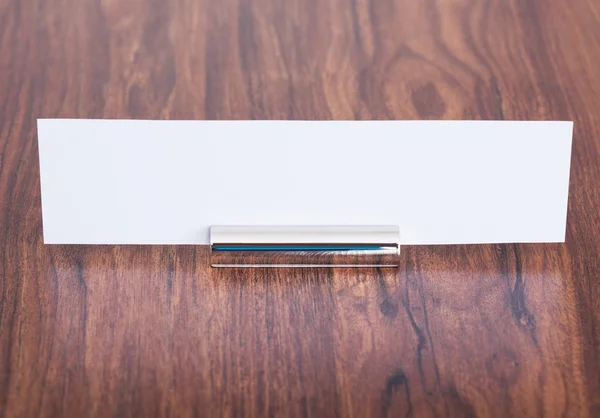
169, 182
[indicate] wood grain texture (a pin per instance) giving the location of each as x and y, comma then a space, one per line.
486, 331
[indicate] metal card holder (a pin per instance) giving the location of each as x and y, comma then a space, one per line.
305, 246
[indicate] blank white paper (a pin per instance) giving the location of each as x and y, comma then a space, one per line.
167, 182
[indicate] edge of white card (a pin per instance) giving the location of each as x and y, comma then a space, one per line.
167, 182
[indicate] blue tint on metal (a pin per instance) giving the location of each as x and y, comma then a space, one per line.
297, 248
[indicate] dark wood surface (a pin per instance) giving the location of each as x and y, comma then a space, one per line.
487, 331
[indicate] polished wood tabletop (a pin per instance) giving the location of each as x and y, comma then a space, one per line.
458, 331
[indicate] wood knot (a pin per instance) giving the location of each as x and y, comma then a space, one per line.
428, 103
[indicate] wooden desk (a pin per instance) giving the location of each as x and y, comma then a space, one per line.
502, 330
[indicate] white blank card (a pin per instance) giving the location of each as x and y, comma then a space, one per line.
167, 182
